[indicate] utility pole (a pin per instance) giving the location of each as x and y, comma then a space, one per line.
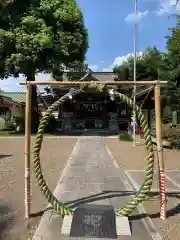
134, 89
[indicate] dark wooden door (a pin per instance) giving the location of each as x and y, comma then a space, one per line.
89, 123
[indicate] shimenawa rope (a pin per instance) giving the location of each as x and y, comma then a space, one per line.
62, 208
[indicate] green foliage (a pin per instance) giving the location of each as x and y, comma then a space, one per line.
174, 136
173, 69
11, 11
76, 71
50, 36
125, 137
150, 65
9, 125
2, 123
19, 123
40, 36
167, 117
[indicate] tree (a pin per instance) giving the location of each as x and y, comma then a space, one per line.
48, 36
173, 46
11, 11
77, 71
73, 71
149, 65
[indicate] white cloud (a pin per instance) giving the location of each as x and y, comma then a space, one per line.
119, 60
168, 7
132, 17
93, 67
12, 84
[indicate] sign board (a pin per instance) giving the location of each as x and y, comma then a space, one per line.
96, 221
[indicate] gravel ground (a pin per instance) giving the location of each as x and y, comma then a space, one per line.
130, 157
53, 158
55, 154
134, 157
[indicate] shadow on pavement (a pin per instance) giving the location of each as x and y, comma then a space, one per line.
99, 196
111, 194
40, 213
5, 155
6, 219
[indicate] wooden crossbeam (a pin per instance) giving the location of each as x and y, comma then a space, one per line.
156, 84
109, 83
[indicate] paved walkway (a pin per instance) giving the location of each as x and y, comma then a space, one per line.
91, 175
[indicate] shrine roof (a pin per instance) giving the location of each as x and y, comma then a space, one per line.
93, 76
17, 97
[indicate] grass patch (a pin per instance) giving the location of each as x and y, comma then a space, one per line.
4, 133
10, 133
125, 137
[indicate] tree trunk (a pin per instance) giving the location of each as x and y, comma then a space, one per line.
34, 104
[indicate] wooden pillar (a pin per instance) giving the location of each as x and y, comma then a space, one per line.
27, 200
160, 151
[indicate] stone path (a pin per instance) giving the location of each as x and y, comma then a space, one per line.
92, 176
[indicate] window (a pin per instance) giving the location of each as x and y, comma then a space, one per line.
4, 110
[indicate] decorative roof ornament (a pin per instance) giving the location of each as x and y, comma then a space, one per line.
112, 94
70, 96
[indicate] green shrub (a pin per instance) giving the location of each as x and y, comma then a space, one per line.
174, 136
2, 123
9, 125
19, 123
125, 137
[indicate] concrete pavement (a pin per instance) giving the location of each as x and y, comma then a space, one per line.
93, 176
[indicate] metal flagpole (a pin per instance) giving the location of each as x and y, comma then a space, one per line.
134, 89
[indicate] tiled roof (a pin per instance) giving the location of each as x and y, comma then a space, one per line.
89, 76
99, 76
19, 97
104, 76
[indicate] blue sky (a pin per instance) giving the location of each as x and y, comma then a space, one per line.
110, 28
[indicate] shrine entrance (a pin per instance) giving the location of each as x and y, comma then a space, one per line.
90, 123
90, 115
91, 110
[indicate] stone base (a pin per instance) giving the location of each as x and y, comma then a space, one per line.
99, 221
92, 220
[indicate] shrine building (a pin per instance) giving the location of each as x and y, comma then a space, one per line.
92, 110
